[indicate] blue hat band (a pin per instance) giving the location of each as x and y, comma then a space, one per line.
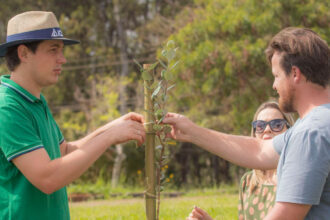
48, 33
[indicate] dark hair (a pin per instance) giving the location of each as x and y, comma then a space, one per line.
12, 59
303, 48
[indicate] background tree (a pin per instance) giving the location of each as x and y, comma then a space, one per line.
221, 79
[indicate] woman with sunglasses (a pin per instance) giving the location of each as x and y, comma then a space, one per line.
257, 187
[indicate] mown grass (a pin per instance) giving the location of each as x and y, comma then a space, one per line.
221, 204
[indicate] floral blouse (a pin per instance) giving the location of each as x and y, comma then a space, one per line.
255, 205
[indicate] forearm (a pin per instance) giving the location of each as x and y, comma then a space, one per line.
58, 173
84, 140
74, 145
241, 150
288, 211
50, 175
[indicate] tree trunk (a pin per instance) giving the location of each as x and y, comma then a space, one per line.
120, 156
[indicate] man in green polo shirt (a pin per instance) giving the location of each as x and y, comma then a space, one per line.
36, 163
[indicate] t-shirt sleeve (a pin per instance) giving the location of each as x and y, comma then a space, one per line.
279, 142
306, 168
59, 134
18, 135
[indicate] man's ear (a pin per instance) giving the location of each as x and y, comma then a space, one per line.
23, 52
296, 74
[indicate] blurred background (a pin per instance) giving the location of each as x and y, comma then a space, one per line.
222, 77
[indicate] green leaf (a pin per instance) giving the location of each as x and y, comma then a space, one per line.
154, 85
162, 118
146, 76
170, 43
164, 53
163, 64
162, 74
168, 76
152, 66
159, 112
137, 62
170, 55
155, 92
157, 127
174, 65
172, 86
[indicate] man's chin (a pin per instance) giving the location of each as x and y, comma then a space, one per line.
286, 106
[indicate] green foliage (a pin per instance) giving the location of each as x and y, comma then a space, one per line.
224, 70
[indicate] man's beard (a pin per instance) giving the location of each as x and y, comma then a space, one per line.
286, 101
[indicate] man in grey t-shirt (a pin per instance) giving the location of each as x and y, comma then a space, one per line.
300, 64
304, 165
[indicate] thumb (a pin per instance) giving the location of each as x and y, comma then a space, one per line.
201, 211
170, 120
135, 117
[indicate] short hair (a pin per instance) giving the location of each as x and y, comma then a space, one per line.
12, 59
303, 48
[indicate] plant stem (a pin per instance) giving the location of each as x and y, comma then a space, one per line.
158, 174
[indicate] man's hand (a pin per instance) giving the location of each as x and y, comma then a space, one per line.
128, 127
198, 214
180, 126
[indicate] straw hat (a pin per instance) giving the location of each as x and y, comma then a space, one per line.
33, 26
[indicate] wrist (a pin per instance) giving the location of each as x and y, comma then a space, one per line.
194, 133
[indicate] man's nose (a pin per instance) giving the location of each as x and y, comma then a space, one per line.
61, 58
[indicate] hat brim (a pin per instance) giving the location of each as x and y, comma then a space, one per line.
3, 47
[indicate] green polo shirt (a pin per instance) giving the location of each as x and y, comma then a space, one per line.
26, 124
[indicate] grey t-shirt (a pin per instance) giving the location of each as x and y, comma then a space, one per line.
304, 165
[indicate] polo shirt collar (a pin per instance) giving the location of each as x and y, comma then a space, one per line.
6, 81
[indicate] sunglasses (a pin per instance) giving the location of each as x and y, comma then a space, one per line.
275, 125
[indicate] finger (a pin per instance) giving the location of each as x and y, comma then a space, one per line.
138, 138
201, 211
136, 125
196, 214
171, 114
135, 117
170, 120
142, 134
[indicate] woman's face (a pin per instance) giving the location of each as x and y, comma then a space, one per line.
267, 115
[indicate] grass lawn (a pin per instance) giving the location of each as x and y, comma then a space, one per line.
219, 204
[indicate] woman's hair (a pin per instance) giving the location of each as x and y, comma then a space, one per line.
259, 175
271, 104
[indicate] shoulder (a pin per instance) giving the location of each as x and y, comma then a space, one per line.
11, 107
313, 128
9, 97
318, 118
